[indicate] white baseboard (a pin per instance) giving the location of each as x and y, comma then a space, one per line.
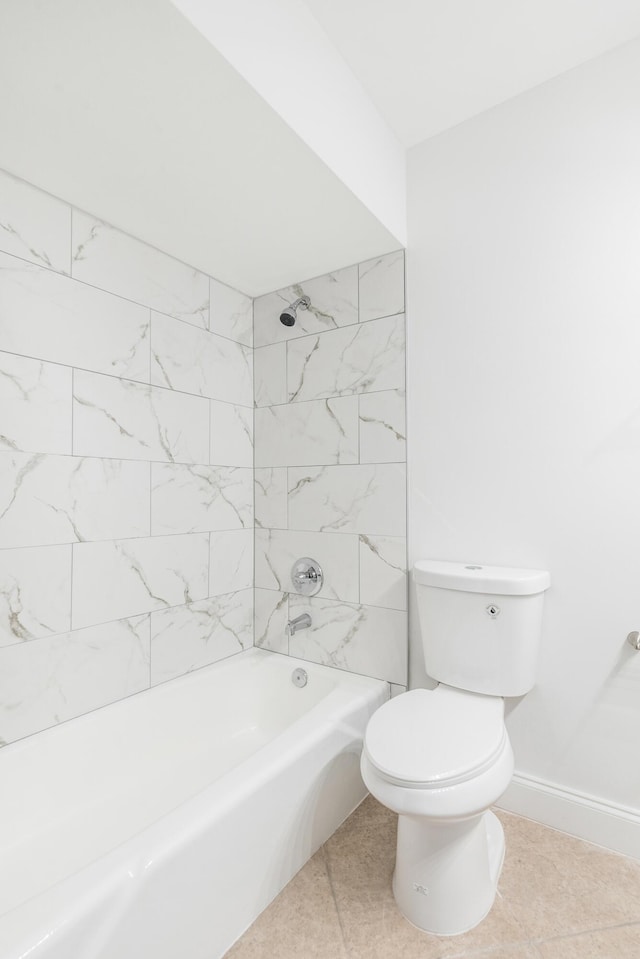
614, 827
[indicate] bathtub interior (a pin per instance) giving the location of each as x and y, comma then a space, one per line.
75, 792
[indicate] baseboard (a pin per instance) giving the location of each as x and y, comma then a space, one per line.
614, 827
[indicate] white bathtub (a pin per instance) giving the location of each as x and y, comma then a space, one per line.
161, 826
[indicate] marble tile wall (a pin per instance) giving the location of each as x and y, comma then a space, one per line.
330, 468
126, 464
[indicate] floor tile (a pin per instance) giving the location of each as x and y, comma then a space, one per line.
360, 859
558, 898
622, 942
556, 884
301, 923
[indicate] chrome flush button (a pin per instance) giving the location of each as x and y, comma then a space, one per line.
493, 611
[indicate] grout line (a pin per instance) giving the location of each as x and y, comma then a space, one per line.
537, 940
127, 539
209, 431
121, 619
134, 459
151, 331
73, 393
327, 866
127, 379
70, 241
70, 593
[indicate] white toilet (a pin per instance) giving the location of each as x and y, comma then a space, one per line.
439, 758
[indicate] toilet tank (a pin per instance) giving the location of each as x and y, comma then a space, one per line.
480, 625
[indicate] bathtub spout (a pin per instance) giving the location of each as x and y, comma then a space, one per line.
300, 622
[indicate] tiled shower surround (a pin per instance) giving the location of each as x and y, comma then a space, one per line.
126, 471
127, 465
330, 468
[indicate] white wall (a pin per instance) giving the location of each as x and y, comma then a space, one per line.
524, 394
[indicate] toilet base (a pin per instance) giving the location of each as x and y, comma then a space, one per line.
447, 873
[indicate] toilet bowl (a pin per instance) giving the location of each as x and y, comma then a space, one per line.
439, 759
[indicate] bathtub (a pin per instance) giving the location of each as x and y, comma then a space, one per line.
159, 827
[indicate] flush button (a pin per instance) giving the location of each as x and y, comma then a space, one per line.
493, 611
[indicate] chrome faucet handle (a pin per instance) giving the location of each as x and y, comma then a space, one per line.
307, 576
302, 576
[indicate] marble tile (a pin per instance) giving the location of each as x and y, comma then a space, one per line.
114, 261
128, 420
383, 571
348, 499
200, 498
231, 313
334, 302
65, 499
121, 578
196, 361
187, 637
271, 497
230, 561
383, 430
271, 615
307, 434
360, 639
35, 593
359, 359
35, 405
270, 374
51, 317
231, 441
381, 286
34, 225
277, 550
53, 679
301, 923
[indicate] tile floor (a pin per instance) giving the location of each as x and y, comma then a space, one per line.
559, 898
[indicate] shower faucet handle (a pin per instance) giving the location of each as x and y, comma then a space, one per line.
307, 576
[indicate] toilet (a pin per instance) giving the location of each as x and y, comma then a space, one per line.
440, 758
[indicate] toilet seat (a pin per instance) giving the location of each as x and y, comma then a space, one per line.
432, 739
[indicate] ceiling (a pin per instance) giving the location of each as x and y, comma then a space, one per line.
430, 64
125, 110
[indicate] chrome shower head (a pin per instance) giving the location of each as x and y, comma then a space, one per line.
288, 316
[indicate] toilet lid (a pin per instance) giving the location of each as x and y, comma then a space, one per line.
433, 738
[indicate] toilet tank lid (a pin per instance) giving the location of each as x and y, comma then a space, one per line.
477, 578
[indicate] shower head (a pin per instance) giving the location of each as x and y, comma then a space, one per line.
288, 316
